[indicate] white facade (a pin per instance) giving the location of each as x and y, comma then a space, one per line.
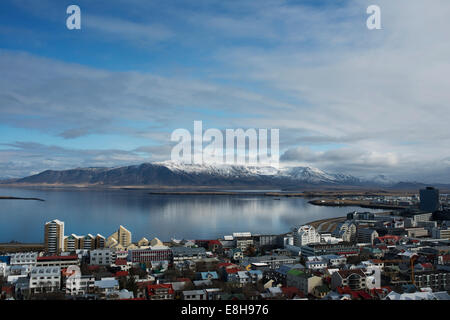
3, 269
28, 258
305, 235
45, 279
102, 257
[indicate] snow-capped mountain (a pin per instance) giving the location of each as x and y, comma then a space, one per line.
179, 174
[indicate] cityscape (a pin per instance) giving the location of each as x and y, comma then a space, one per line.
225, 159
394, 255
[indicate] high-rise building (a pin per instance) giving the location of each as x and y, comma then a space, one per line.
429, 199
54, 236
124, 236
72, 243
99, 241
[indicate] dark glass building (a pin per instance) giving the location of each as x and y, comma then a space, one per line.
429, 199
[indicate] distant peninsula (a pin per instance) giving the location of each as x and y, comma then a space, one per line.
19, 198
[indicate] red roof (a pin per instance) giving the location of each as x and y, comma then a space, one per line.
121, 273
152, 287
232, 270
225, 264
49, 258
292, 292
214, 242
446, 257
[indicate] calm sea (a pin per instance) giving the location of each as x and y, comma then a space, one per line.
163, 216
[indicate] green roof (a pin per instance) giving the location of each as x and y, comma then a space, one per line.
296, 272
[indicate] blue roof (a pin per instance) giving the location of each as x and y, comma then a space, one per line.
209, 275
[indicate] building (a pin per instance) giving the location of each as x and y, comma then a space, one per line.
152, 254
272, 262
305, 235
27, 258
242, 240
304, 281
54, 236
102, 257
436, 280
187, 253
57, 261
194, 295
106, 286
346, 231
72, 243
160, 291
429, 199
354, 279
100, 241
366, 235
120, 239
439, 233
342, 249
77, 284
45, 279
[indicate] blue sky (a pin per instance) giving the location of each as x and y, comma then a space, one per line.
345, 99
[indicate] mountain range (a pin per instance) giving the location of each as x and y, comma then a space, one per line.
172, 174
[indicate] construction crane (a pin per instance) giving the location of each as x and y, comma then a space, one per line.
412, 260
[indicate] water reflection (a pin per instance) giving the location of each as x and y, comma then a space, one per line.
162, 216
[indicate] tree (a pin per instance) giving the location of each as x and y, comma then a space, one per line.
131, 285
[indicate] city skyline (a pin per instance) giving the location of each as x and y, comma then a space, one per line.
345, 98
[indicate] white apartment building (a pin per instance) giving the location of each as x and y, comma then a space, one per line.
102, 257
305, 235
27, 258
3, 267
78, 284
346, 231
45, 279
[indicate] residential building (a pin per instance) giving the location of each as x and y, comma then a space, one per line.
57, 261
194, 295
346, 231
354, 279
303, 280
343, 249
102, 257
54, 236
304, 235
163, 291
45, 279
366, 235
27, 258
187, 253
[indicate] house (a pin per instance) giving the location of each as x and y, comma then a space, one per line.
106, 286
320, 291
292, 293
194, 295
354, 279
315, 263
160, 292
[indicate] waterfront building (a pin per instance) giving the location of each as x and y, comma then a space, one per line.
305, 235
429, 199
54, 236
346, 231
26, 258
366, 235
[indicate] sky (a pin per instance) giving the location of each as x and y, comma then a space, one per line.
346, 99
